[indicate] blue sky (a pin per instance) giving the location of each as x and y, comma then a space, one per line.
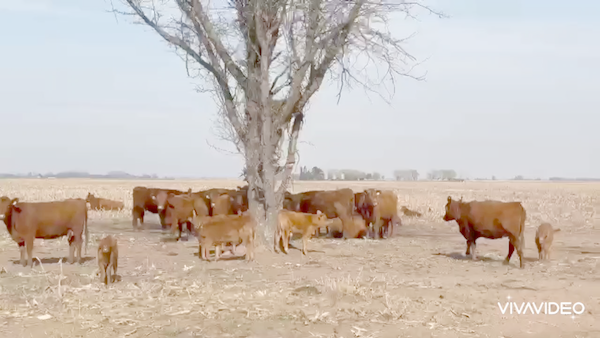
509, 91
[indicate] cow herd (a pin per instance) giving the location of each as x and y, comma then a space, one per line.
220, 219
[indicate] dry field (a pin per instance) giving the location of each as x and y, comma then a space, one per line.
417, 284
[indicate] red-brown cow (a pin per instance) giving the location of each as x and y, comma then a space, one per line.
323, 201
380, 209
48, 220
145, 199
180, 211
489, 219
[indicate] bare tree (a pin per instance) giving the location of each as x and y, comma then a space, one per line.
266, 59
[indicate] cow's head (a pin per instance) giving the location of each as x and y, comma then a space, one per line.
452, 210
321, 219
5, 203
371, 196
160, 199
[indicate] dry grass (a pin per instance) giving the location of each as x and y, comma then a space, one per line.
414, 285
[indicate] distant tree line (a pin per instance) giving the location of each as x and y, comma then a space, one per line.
318, 174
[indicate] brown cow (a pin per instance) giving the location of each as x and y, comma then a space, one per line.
144, 199
353, 225
107, 259
544, 236
222, 229
380, 209
489, 219
323, 200
210, 195
290, 222
221, 205
180, 211
97, 203
47, 220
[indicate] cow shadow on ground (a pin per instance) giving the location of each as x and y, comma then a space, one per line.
224, 258
55, 260
462, 257
299, 248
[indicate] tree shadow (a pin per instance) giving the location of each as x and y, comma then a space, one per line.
54, 260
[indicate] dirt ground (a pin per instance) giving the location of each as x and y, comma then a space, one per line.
417, 284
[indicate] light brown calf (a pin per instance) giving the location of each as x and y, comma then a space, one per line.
108, 256
290, 222
222, 229
544, 236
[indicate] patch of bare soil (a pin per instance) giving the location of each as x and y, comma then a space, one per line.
417, 284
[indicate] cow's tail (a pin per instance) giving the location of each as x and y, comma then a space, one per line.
85, 228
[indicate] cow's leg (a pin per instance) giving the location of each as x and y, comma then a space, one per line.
286, 241
22, 252
102, 269
137, 213
519, 247
29, 248
79, 244
217, 252
511, 249
162, 215
108, 275
305, 243
473, 250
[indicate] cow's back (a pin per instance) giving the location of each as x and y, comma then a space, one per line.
497, 216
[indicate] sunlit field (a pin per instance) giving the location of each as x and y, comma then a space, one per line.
416, 284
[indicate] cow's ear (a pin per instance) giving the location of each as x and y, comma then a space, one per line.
14, 201
449, 199
318, 212
170, 195
153, 197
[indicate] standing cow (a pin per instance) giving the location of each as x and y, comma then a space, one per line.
47, 220
153, 200
379, 208
489, 219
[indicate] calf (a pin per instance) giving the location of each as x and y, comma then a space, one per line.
47, 220
97, 203
489, 219
544, 236
290, 222
222, 229
107, 258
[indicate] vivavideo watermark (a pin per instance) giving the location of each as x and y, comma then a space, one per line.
542, 308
